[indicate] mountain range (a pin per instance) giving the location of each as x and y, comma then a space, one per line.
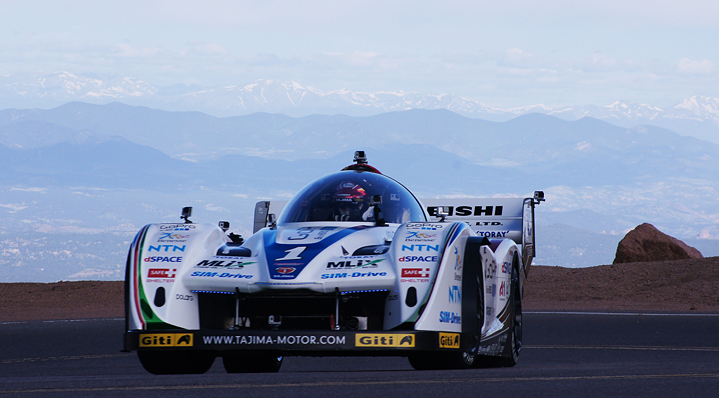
77, 181
696, 116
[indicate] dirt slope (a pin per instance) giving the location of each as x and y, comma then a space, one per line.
682, 285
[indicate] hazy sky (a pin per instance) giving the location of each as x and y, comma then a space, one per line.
503, 53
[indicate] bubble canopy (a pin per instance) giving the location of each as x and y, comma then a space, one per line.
346, 196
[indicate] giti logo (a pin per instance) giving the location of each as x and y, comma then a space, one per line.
384, 340
449, 340
166, 340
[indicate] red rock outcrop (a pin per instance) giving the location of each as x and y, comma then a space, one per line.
646, 243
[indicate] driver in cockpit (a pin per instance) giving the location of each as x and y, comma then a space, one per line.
351, 203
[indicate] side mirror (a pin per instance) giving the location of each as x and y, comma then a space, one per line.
186, 213
375, 201
442, 213
272, 220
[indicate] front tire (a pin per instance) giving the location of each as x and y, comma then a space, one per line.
252, 362
176, 362
442, 360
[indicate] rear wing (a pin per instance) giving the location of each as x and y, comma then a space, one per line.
495, 218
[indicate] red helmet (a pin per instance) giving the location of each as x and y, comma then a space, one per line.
349, 198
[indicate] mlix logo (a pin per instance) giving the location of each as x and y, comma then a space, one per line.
415, 272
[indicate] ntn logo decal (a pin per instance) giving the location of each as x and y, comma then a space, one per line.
455, 294
420, 248
166, 248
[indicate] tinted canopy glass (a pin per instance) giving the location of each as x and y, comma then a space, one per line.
346, 196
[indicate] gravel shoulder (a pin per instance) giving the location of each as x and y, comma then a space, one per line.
664, 286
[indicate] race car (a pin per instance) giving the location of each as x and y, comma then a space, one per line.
355, 265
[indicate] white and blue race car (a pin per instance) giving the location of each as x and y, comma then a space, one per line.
354, 265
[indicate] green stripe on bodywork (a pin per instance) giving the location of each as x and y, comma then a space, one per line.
448, 240
152, 321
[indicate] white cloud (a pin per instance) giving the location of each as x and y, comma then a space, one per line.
199, 47
517, 55
691, 67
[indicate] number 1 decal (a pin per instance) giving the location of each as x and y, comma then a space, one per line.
293, 254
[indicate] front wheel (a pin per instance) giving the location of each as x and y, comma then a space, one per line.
442, 360
252, 362
176, 362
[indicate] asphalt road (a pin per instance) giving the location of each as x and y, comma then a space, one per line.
566, 354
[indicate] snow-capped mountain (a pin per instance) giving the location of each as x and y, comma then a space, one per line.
294, 99
698, 108
62, 87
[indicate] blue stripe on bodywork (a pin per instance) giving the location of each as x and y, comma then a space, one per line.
275, 251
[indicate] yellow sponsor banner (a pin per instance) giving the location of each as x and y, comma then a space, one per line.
449, 340
384, 340
166, 340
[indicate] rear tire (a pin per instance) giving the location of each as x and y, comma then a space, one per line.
176, 362
514, 338
252, 363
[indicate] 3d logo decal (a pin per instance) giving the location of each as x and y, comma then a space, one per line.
285, 270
